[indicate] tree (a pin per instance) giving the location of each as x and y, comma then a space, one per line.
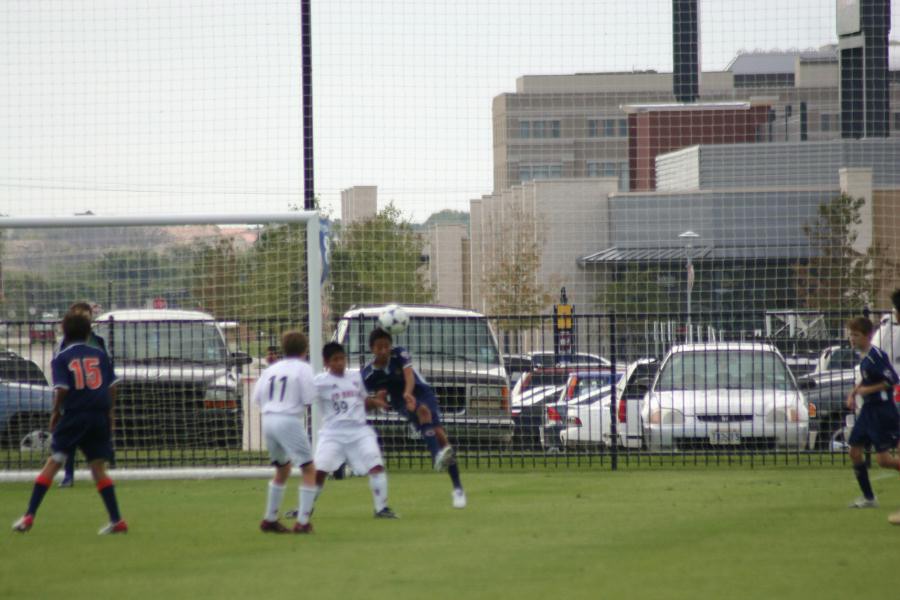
376, 261
637, 292
510, 282
276, 275
216, 284
838, 277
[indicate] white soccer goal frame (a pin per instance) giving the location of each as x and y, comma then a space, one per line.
314, 283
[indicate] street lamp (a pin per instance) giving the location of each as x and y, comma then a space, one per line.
689, 237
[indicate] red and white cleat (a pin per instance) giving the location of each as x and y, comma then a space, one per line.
273, 527
111, 528
298, 528
23, 524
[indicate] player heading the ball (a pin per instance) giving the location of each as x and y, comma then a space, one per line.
344, 435
391, 371
283, 391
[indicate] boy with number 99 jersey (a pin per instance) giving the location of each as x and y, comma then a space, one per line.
344, 435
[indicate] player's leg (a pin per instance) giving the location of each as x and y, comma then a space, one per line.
449, 460
861, 471
278, 455
107, 491
422, 417
364, 456
309, 491
42, 483
69, 472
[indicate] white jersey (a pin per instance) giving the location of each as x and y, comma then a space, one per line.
342, 399
285, 388
887, 337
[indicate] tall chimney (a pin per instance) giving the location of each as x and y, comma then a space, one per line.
685, 50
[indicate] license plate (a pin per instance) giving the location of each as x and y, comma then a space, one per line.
725, 438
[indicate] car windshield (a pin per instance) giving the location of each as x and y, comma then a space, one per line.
723, 369
160, 341
437, 338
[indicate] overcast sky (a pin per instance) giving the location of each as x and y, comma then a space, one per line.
126, 106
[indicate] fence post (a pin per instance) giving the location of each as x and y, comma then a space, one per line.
613, 409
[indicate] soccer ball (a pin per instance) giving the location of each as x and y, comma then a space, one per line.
393, 319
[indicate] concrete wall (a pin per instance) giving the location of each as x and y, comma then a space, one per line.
447, 263
359, 203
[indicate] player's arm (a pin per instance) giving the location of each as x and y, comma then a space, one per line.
113, 395
378, 400
409, 384
59, 396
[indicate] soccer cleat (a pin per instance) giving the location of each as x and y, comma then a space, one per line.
298, 528
444, 458
386, 513
459, 498
111, 528
863, 502
23, 524
67, 482
273, 527
894, 518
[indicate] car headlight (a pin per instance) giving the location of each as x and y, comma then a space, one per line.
220, 397
667, 416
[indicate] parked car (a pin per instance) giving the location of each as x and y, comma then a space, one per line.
727, 395
25, 415
180, 385
516, 365
827, 386
456, 352
528, 414
588, 424
43, 331
16, 368
546, 359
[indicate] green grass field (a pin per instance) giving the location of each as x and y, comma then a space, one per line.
716, 533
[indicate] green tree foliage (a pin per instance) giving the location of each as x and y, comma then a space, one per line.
376, 261
216, 284
637, 291
276, 275
838, 277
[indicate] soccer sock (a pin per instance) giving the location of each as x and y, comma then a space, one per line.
453, 471
41, 485
862, 476
430, 439
378, 485
273, 501
307, 501
108, 493
70, 467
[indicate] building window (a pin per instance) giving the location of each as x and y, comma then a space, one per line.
829, 122
623, 127
539, 129
610, 169
532, 172
607, 127
593, 128
897, 121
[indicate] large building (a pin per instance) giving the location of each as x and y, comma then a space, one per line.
575, 126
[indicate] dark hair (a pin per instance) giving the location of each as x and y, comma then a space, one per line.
76, 326
895, 298
294, 343
82, 307
330, 349
860, 325
379, 334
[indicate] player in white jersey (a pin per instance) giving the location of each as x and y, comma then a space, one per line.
283, 391
344, 435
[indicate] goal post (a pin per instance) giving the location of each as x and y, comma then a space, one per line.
191, 307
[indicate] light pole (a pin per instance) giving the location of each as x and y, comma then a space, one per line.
689, 237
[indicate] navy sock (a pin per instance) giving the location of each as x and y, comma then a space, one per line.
41, 485
70, 467
430, 439
108, 493
862, 476
453, 471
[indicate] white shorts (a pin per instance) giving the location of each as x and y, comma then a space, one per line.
286, 439
357, 446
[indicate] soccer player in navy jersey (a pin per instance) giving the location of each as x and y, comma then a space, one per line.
410, 395
878, 423
97, 342
83, 403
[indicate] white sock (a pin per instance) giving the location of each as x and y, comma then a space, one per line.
379, 487
273, 502
307, 501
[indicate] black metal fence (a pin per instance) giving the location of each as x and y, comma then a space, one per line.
603, 389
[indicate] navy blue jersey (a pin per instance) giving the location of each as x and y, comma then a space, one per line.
93, 340
390, 378
875, 367
87, 374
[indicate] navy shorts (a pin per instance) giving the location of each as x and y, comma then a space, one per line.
87, 431
878, 424
431, 402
